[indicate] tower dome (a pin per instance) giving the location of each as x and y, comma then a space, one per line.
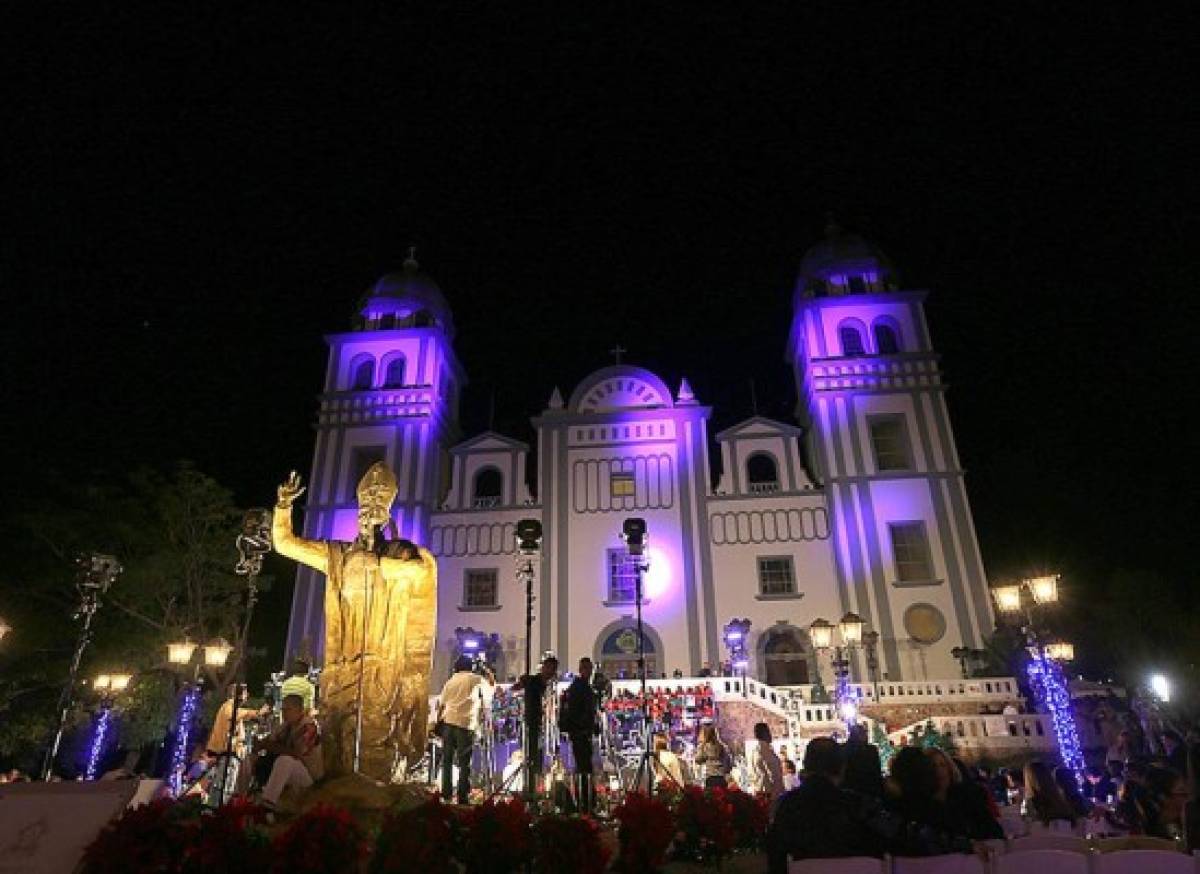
843, 263
405, 299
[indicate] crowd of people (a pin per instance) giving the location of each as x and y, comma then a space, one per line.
931, 802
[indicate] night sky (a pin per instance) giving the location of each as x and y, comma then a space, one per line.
191, 203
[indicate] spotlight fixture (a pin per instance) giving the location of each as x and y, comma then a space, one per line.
633, 532
529, 536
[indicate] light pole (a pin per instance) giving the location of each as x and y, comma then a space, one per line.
1021, 600
97, 573
850, 630
107, 686
181, 655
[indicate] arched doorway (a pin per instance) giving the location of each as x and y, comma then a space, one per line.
617, 651
785, 656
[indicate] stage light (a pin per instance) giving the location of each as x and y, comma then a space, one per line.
633, 532
1161, 687
529, 536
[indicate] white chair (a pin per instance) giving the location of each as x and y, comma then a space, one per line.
1143, 862
850, 865
1066, 843
1041, 862
955, 863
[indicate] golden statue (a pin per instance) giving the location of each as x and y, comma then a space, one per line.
380, 618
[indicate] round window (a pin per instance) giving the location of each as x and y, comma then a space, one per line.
924, 623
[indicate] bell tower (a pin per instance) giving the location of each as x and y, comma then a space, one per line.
392, 389
871, 395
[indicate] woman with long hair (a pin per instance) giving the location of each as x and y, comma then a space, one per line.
766, 771
668, 769
1044, 799
712, 757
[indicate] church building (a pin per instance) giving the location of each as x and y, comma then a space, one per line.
858, 507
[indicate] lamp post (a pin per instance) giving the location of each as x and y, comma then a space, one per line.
107, 687
182, 655
850, 630
871, 646
1021, 601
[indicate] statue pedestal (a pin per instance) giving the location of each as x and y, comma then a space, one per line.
366, 799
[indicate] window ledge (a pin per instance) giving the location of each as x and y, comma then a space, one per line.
915, 584
783, 596
645, 601
462, 608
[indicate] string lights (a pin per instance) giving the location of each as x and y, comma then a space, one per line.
102, 721
179, 755
1050, 686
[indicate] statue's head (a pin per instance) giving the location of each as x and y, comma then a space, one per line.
376, 492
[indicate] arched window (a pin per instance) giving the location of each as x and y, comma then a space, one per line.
887, 338
786, 661
363, 374
393, 377
762, 473
851, 338
489, 486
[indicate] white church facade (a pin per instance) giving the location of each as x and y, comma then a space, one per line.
860, 507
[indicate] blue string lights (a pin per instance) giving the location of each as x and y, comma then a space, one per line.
1050, 686
847, 700
183, 731
103, 718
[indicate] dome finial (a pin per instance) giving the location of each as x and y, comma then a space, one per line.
410, 263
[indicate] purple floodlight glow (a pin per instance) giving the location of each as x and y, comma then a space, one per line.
470, 643
733, 635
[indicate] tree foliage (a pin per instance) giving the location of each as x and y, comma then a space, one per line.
174, 535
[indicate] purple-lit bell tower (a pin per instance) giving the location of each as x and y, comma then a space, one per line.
391, 394
872, 398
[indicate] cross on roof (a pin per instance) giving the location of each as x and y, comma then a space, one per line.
616, 352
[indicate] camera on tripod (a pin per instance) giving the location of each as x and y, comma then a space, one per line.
97, 572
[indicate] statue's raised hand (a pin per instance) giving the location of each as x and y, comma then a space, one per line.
290, 490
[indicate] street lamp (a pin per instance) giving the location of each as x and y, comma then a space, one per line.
1045, 669
180, 653
850, 629
107, 686
5, 628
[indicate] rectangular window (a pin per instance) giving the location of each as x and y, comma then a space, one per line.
621, 485
480, 588
889, 440
910, 548
622, 577
776, 576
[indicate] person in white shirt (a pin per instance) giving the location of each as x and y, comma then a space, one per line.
762, 763
791, 780
457, 712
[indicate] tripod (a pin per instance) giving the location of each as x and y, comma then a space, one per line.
252, 545
646, 761
97, 573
